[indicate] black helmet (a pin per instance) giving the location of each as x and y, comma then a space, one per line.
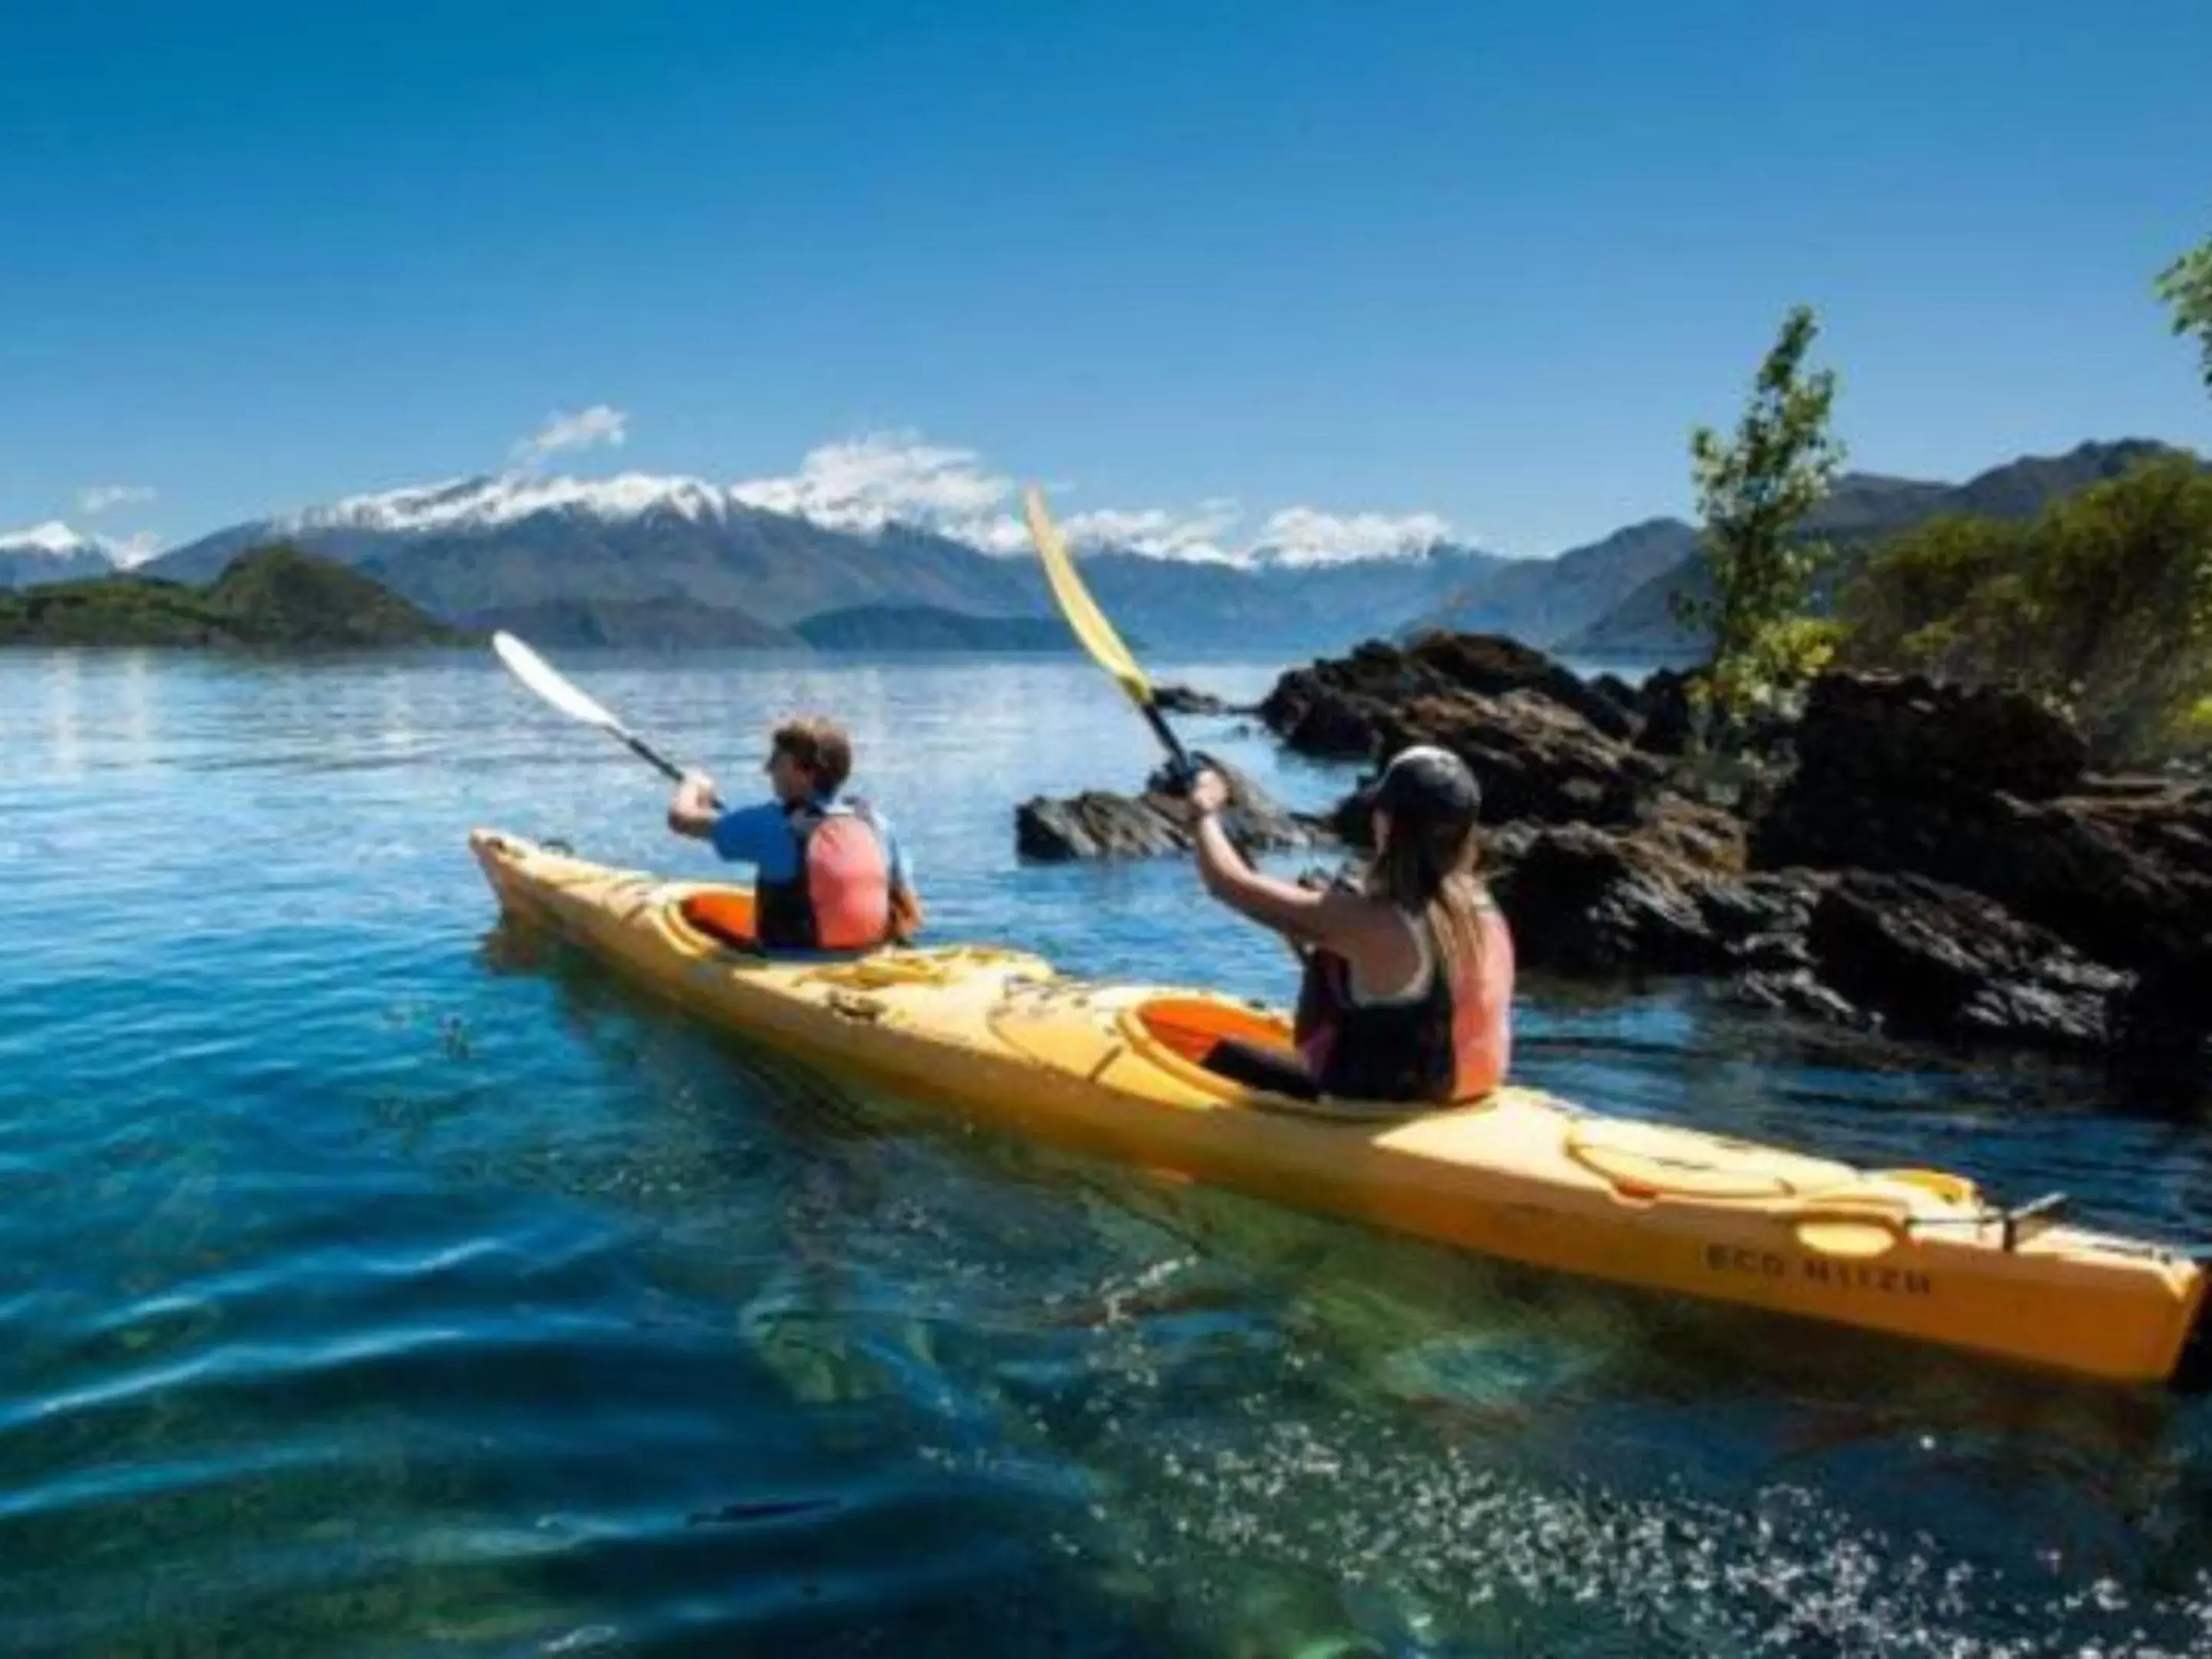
1428, 784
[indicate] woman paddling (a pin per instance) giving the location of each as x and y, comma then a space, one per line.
1409, 985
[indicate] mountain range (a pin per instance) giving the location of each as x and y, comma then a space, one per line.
51, 553
676, 561
478, 551
1862, 511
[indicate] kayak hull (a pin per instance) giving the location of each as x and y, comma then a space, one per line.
1115, 1071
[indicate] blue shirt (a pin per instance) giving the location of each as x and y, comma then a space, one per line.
761, 836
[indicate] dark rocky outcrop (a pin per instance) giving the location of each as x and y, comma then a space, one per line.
1098, 824
1340, 708
1184, 700
1923, 859
1535, 757
1907, 736
1934, 861
1939, 960
1985, 791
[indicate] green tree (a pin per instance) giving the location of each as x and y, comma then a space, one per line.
2103, 605
1752, 493
2186, 287
1944, 598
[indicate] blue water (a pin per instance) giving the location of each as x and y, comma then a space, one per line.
374, 1280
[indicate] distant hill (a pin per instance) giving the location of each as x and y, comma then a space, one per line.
1859, 514
662, 624
925, 628
275, 595
51, 553
1539, 601
1281, 609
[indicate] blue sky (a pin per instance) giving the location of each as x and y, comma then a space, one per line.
1485, 262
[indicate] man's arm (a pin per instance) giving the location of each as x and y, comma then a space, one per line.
759, 835
906, 911
693, 809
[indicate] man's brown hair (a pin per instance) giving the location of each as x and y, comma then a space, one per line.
821, 746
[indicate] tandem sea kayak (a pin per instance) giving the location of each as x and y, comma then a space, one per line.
1116, 1070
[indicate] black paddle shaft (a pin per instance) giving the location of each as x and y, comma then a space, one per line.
1180, 769
653, 757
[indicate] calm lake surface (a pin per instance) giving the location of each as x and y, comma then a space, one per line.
372, 1282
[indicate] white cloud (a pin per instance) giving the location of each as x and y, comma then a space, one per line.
1200, 535
98, 498
52, 536
55, 538
886, 478
601, 423
866, 482
1306, 535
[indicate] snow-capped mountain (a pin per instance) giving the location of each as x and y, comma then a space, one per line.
485, 503
50, 552
470, 547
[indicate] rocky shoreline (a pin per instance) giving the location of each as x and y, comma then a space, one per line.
1920, 860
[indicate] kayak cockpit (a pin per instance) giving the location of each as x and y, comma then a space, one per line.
724, 914
1195, 1027
1240, 1051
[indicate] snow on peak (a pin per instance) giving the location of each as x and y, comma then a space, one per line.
52, 537
483, 503
871, 483
1308, 536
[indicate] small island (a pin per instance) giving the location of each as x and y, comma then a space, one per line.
273, 596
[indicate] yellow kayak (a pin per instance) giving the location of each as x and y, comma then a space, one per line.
1115, 1069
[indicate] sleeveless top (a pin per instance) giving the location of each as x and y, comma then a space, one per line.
1444, 1038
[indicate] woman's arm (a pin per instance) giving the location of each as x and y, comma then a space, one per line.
1298, 913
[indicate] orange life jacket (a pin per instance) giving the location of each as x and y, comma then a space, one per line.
840, 899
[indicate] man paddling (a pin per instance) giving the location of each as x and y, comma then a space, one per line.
830, 873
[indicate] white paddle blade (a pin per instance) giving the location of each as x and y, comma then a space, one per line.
541, 677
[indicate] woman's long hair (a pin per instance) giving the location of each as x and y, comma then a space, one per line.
1432, 868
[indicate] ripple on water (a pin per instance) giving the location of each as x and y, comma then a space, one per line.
381, 1283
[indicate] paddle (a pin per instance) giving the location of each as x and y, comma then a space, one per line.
541, 677
1098, 636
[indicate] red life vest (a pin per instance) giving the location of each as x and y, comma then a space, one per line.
841, 897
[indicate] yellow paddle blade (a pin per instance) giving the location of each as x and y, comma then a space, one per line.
1081, 611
